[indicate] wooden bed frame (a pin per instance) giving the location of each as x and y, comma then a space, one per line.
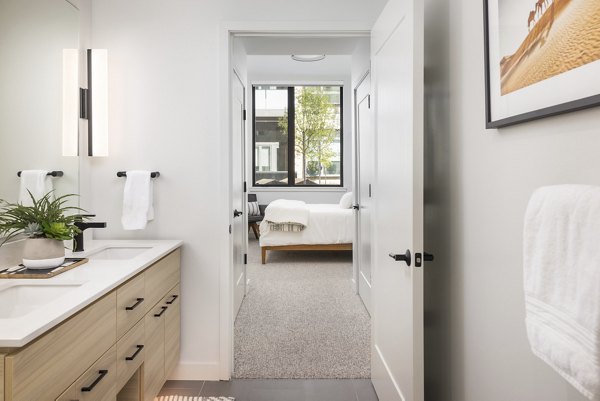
325, 247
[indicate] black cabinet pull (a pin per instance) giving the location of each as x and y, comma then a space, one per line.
164, 308
172, 299
135, 305
101, 375
137, 351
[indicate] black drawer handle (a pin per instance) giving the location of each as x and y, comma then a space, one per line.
172, 299
102, 373
164, 308
135, 305
137, 351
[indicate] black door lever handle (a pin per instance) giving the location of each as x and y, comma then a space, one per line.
237, 213
406, 257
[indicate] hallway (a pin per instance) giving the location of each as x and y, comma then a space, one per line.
301, 318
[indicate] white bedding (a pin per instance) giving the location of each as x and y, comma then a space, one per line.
327, 224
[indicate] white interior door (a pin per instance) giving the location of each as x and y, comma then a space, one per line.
239, 227
397, 285
365, 160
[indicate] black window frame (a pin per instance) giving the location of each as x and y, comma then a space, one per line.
292, 140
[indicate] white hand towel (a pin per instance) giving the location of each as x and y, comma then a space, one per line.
138, 206
35, 181
562, 282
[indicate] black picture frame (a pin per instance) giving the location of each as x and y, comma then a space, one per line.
558, 109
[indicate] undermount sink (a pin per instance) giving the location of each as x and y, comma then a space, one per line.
118, 253
19, 299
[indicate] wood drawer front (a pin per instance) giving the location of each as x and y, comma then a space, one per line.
1, 377
154, 363
45, 368
130, 353
100, 381
172, 329
131, 304
161, 277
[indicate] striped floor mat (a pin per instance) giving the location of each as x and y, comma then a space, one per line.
187, 398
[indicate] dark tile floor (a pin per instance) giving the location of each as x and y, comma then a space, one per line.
276, 389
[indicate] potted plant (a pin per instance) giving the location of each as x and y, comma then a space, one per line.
46, 224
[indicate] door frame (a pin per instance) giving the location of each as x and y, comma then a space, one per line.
356, 188
224, 204
237, 75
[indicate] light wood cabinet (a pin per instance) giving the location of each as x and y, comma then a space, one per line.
131, 304
113, 348
131, 351
45, 368
161, 277
98, 383
154, 366
172, 329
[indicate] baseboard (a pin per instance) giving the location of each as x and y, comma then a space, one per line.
195, 371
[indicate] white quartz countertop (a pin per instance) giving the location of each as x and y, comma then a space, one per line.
22, 318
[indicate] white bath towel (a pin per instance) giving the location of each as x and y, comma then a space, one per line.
138, 207
562, 282
287, 215
35, 181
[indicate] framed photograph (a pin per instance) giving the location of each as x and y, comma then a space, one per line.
542, 58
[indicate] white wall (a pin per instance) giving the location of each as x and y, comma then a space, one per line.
164, 98
282, 69
493, 173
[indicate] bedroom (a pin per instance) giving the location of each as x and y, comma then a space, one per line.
299, 169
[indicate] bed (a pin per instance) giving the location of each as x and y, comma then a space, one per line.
328, 228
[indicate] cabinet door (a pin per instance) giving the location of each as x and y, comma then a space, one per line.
161, 277
154, 364
131, 305
130, 353
98, 383
172, 329
44, 369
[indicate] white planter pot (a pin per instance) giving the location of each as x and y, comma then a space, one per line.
43, 253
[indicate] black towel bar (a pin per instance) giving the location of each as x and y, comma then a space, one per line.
50, 173
154, 174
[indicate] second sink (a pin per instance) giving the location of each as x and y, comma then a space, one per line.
117, 253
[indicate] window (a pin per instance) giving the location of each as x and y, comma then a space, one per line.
297, 135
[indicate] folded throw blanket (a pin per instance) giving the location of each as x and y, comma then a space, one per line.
287, 215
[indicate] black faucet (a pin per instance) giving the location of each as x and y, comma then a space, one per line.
84, 225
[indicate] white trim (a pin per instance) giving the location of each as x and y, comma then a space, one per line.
298, 189
195, 371
227, 29
311, 82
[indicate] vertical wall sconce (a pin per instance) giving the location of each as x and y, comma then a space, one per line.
97, 102
70, 87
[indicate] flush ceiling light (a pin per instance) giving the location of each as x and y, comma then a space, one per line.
306, 58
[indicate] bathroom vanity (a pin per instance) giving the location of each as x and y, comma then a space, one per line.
107, 330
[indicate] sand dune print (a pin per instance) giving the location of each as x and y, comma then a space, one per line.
563, 35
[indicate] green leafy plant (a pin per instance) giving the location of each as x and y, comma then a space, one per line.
46, 218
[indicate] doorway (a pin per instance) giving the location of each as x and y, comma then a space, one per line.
300, 316
398, 71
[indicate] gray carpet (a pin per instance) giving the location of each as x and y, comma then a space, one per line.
301, 318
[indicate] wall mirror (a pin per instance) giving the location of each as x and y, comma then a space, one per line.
39, 42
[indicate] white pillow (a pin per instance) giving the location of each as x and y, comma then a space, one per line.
346, 201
